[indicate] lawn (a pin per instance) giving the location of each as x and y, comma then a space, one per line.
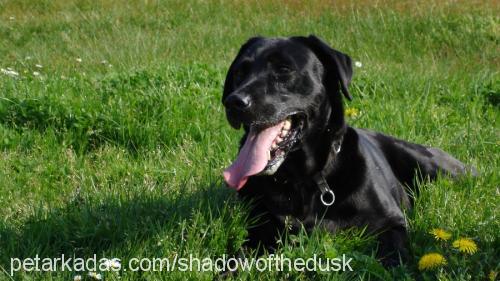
113, 137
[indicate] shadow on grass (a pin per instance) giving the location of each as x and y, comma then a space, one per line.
85, 227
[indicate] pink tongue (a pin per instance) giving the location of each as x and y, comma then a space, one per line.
253, 156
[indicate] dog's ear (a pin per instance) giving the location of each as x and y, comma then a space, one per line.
338, 65
228, 84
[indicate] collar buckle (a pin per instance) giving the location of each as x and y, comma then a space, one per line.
327, 196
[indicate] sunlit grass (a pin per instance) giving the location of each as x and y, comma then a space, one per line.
113, 137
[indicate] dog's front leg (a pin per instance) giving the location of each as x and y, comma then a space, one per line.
393, 246
263, 231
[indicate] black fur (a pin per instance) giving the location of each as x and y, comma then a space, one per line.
303, 75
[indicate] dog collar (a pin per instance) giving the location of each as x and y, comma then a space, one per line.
327, 196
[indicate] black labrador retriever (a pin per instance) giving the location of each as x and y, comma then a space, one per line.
301, 164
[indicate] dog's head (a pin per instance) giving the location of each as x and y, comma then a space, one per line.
283, 91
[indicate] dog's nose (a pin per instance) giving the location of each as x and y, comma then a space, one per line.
238, 102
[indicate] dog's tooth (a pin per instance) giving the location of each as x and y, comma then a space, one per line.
274, 145
284, 133
278, 139
268, 155
287, 125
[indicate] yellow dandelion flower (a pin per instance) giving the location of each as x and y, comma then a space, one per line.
440, 234
431, 261
465, 245
351, 112
492, 276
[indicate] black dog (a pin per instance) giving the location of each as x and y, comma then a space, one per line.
300, 163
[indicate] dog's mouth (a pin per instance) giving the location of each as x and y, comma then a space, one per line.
283, 144
265, 149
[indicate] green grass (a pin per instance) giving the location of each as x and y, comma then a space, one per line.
123, 158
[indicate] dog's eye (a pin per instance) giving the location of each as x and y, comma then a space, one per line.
238, 77
241, 72
283, 69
